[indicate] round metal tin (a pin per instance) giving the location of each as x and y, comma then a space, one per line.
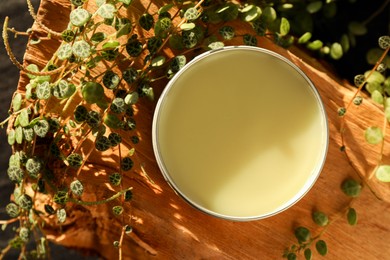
160, 157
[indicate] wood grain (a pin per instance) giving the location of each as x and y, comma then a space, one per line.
175, 230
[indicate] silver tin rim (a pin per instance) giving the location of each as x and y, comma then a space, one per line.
309, 183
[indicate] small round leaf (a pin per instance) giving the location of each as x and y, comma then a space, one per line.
12, 210
107, 11
25, 202
92, 92
33, 166
314, 7
373, 135
227, 32
302, 234
81, 49
117, 210
357, 28
320, 218
61, 216
64, 51
15, 174
146, 21
111, 79
61, 197
250, 40
383, 173
352, 216
315, 45
269, 14
284, 26
126, 163
112, 121
41, 128
304, 38
75, 160
102, 143
115, 178
17, 102
11, 137
359, 79
308, 254
321, 247
377, 97
384, 42
79, 17
253, 14
131, 98
77, 187
191, 14
351, 188
43, 90
291, 256
336, 51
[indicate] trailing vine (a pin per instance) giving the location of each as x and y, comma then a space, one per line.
102, 68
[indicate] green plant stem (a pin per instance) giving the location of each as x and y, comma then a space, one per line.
9, 221
85, 159
343, 122
91, 203
13, 58
17, 33
376, 13
121, 242
383, 56
380, 156
5, 251
44, 27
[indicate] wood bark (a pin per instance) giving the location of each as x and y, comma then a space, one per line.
166, 227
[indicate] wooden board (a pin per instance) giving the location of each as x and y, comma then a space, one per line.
165, 227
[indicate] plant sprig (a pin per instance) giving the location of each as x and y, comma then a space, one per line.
89, 88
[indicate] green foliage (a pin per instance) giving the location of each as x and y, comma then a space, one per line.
79, 17
117, 210
321, 247
320, 218
61, 215
115, 178
33, 167
352, 216
111, 79
107, 11
25, 202
61, 197
308, 254
351, 187
302, 234
12, 210
146, 21
102, 143
107, 62
126, 164
41, 127
77, 187
92, 92
75, 160
114, 139
383, 173
15, 173
373, 135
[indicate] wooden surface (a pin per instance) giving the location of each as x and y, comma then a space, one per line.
175, 230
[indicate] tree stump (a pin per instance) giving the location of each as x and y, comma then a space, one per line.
166, 227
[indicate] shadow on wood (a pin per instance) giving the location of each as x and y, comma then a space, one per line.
165, 227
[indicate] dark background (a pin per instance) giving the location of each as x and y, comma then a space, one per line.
353, 63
